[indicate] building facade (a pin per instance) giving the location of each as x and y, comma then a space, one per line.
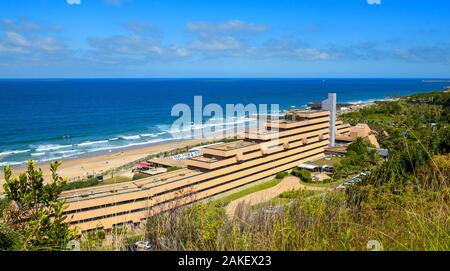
300, 137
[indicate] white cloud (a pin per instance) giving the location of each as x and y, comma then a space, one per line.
22, 38
311, 54
140, 28
374, 2
15, 39
223, 38
219, 44
228, 26
74, 2
19, 26
133, 49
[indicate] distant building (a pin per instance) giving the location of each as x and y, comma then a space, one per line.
309, 167
360, 130
383, 153
330, 105
316, 168
339, 151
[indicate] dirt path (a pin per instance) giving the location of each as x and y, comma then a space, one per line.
288, 183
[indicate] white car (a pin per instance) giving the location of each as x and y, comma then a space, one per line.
143, 246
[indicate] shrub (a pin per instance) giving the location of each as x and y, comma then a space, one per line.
302, 174
173, 168
139, 176
4, 202
337, 176
40, 217
281, 175
9, 239
81, 184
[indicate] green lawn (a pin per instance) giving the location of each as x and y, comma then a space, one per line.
334, 160
262, 186
286, 198
378, 117
118, 179
329, 185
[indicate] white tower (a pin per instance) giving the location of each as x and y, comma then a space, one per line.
330, 105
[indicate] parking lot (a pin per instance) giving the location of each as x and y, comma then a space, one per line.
354, 180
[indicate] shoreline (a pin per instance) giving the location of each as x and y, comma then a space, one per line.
80, 167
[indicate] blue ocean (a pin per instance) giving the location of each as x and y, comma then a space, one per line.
46, 119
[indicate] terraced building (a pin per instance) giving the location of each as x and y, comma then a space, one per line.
300, 137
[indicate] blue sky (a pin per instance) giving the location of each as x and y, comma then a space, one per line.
225, 38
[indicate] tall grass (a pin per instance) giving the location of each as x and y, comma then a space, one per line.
414, 220
411, 217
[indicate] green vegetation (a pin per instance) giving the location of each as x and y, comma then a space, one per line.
37, 215
285, 198
437, 98
138, 176
262, 186
360, 156
173, 168
281, 175
328, 183
9, 238
93, 239
299, 193
302, 174
309, 223
117, 179
92, 181
80, 184
331, 160
4, 203
380, 113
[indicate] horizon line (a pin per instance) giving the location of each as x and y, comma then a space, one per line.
224, 77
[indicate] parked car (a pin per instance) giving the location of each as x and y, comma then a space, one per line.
143, 246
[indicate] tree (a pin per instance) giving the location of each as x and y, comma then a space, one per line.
38, 210
303, 175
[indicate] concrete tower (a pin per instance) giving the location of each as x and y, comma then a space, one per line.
330, 105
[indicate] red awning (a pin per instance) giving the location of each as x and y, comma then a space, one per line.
144, 164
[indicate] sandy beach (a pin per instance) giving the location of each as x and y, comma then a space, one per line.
80, 167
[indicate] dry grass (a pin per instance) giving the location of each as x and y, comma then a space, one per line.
414, 220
